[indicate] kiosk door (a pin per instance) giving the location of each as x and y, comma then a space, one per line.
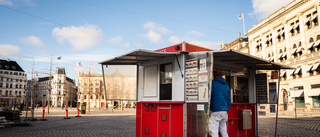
164, 121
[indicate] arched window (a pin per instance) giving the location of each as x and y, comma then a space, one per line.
102, 96
97, 97
280, 51
311, 40
91, 97
294, 46
85, 96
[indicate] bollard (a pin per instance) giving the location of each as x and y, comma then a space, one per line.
305, 110
44, 108
67, 112
78, 110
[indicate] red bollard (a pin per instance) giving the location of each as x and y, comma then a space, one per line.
44, 109
78, 110
66, 112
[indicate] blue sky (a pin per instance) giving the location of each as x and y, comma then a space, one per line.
96, 30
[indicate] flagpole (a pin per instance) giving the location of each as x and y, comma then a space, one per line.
244, 29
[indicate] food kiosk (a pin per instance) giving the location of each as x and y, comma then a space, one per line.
174, 87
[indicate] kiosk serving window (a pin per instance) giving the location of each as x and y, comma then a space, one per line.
166, 81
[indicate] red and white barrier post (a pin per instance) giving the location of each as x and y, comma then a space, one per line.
44, 109
78, 111
66, 112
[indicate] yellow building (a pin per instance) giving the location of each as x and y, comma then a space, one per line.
240, 44
120, 90
291, 36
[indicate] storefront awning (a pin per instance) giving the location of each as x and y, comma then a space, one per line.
310, 45
315, 67
297, 71
314, 92
282, 73
298, 93
309, 68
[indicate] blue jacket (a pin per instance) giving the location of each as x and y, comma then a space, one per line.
220, 95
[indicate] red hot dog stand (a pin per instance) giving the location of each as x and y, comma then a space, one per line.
174, 87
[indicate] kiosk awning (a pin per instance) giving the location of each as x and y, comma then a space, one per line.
228, 57
238, 58
136, 57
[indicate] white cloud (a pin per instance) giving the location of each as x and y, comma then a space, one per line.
263, 8
206, 44
195, 33
156, 27
155, 32
32, 40
82, 37
6, 2
7, 50
153, 36
126, 45
115, 40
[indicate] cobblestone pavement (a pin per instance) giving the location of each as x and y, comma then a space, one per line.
290, 127
97, 124
121, 123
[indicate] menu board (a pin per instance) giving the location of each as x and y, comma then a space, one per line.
192, 81
261, 88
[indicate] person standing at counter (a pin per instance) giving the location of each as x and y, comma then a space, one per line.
219, 105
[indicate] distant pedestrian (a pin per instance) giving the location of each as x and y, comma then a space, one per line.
219, 105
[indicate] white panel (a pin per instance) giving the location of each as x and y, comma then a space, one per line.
150, 81
177, 80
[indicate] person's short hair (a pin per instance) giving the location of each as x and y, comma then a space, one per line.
217, 73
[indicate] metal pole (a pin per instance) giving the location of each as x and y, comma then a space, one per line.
277, 103
244, 29
105, 89
295, 102
49, 88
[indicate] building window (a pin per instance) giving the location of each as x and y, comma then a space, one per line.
91, 83
297, 73
1, 72
85, 96
259, 45
97, 97
269, 40
10, 93
91, 97
300, 102
85, 83
102, 96
97, 90
316, 101
97, 83
91, 90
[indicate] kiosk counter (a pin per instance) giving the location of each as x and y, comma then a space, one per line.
174, 87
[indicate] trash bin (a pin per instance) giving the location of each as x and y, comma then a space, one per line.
83, 108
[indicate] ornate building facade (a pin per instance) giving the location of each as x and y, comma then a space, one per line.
62, 89
291, 36
13, 81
